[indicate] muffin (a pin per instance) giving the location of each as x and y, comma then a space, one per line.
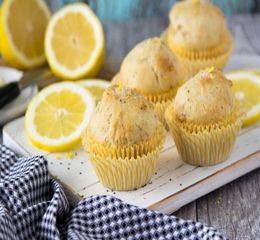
205, 119
115, 80
154, 71
198, 35
123, 138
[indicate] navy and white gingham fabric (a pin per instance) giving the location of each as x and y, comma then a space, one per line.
34, 206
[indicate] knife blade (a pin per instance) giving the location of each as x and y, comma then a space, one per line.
10, 91
34, 76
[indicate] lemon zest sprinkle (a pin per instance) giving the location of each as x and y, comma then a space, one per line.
57, 157
120, 88
70, 155
156, 40
211, 69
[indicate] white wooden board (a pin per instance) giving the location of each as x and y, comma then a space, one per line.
174, 184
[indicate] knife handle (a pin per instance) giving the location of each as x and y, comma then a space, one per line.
8, 93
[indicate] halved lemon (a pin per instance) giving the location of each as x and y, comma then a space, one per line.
74, 42
96, 87
22, 29
57, 115
246, 86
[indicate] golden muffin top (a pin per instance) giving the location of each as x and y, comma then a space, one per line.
196, 25
151, 68
116, 79
123, 117
206, 98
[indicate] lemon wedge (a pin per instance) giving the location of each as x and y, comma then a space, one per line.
57, 115
246, 86
96, 87
74, 42
22, 29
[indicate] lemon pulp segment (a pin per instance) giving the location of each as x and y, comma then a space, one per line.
246, 87
64, 116
57, 115
23, 25
96, 91
247, 92
73, 40
96, 87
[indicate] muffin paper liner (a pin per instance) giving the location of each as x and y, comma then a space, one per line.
204, 54
194, 61
124, 168
194, 66
125, 151
160, 108
163, 97
160, 103
125, 174
204, 145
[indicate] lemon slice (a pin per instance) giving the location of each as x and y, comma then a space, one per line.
249, 70
74, 42
57, 115
96, 87
22, 29
246, 86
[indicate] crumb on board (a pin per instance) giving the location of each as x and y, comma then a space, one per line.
218, 200
70, 155
57, 157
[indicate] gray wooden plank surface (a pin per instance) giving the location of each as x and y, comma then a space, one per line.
234, 208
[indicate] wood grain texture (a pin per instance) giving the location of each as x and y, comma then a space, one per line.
234, 209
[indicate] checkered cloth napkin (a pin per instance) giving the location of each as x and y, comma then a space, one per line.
34, 206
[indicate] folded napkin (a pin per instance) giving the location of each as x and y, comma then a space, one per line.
34, 206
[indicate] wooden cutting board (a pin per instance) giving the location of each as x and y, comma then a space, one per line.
173, 185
